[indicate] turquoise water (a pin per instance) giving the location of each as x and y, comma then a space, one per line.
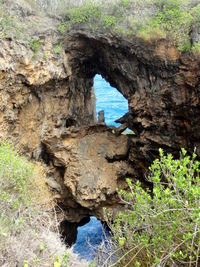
110, 100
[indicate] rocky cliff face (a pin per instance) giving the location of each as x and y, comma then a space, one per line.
47, 110
162, 88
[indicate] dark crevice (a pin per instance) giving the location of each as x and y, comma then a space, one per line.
117, 158
35, 92
45, 155
61, 171
69, 231
70, 122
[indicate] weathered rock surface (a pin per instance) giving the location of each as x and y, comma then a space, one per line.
47, 108
161, 85
94, 163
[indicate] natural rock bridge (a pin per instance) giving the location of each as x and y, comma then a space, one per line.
47, 109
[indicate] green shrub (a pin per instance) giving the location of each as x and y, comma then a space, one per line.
58, 49
34, 45
89, 13
196, 49
15, 174
95, 16
195, 12
8, 25
108, 21
125, 3
175, 21
161, 227
64, 26
168, 4
6, 22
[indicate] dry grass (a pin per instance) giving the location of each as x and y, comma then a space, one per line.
152, 34
41, 190
29, 234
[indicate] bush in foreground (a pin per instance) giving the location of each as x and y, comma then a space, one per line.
160, 227
28, 229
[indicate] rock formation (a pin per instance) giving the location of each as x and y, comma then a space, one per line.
161, 85
89, 163
47, 109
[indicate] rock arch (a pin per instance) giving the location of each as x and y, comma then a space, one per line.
162, 87
47, 109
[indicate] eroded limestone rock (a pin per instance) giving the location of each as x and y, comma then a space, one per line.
161, 85
47, 107
94, 163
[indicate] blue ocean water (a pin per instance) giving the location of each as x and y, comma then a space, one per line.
115, 106
89, 237
110, 100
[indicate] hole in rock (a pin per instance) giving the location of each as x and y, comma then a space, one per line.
109, 99
69, 122
85, 236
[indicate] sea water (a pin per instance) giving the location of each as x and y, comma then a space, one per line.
89, 238
110, 100
115, 106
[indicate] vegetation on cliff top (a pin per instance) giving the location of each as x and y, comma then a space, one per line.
28, 231
149, 19
160, 227
8, 25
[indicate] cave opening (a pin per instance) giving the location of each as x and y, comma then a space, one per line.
84, 236
109, 100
